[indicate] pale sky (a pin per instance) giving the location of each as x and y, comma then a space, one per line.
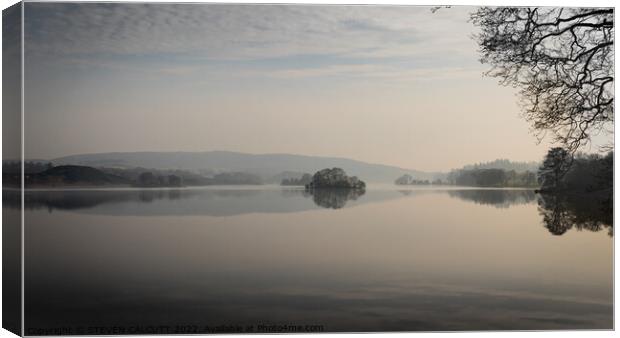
396, 85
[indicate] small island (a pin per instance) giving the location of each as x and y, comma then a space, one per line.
334, 178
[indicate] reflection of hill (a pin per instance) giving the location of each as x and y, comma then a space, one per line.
164, 202
500, 198
154, 201
226, 201
560, 213
83, 199
334, 198
588, 211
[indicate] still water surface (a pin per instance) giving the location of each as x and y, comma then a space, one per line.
415, 259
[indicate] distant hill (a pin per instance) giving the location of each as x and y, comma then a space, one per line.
73, 175
268, 167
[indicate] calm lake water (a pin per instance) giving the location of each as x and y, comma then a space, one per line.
277, 259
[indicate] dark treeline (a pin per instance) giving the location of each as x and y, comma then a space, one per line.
410, 180
301, 181
30, 167
496, 178
174, 178
44, 174
505, 164
146, 177
73, 175
142, 177
492, 178
576, 191
11, 171
592, 173
499, 173
561, 172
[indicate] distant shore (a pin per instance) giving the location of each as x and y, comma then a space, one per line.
371, 186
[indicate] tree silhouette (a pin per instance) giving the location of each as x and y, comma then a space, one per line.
554, 167
562, 60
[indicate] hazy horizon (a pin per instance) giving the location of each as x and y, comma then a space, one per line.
305, 155
396, 85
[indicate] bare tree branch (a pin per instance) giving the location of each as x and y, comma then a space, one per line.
561, 59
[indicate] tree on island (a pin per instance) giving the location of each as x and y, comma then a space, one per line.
335, 178
562, 60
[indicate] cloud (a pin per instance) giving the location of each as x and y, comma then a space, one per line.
231, 31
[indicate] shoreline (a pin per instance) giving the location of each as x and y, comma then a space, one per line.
375, 187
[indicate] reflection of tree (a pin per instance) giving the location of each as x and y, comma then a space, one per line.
562, 212
406, 192
556, 217
333, 198
500, 198
84, 199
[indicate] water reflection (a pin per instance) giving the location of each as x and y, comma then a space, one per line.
212, 202
334, 198
426, 261
83, 199
499, 198
225, 201
161, 202
562, 212
389, 266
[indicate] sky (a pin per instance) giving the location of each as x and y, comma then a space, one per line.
396, 85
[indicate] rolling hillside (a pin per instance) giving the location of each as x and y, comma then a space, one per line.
266, 166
